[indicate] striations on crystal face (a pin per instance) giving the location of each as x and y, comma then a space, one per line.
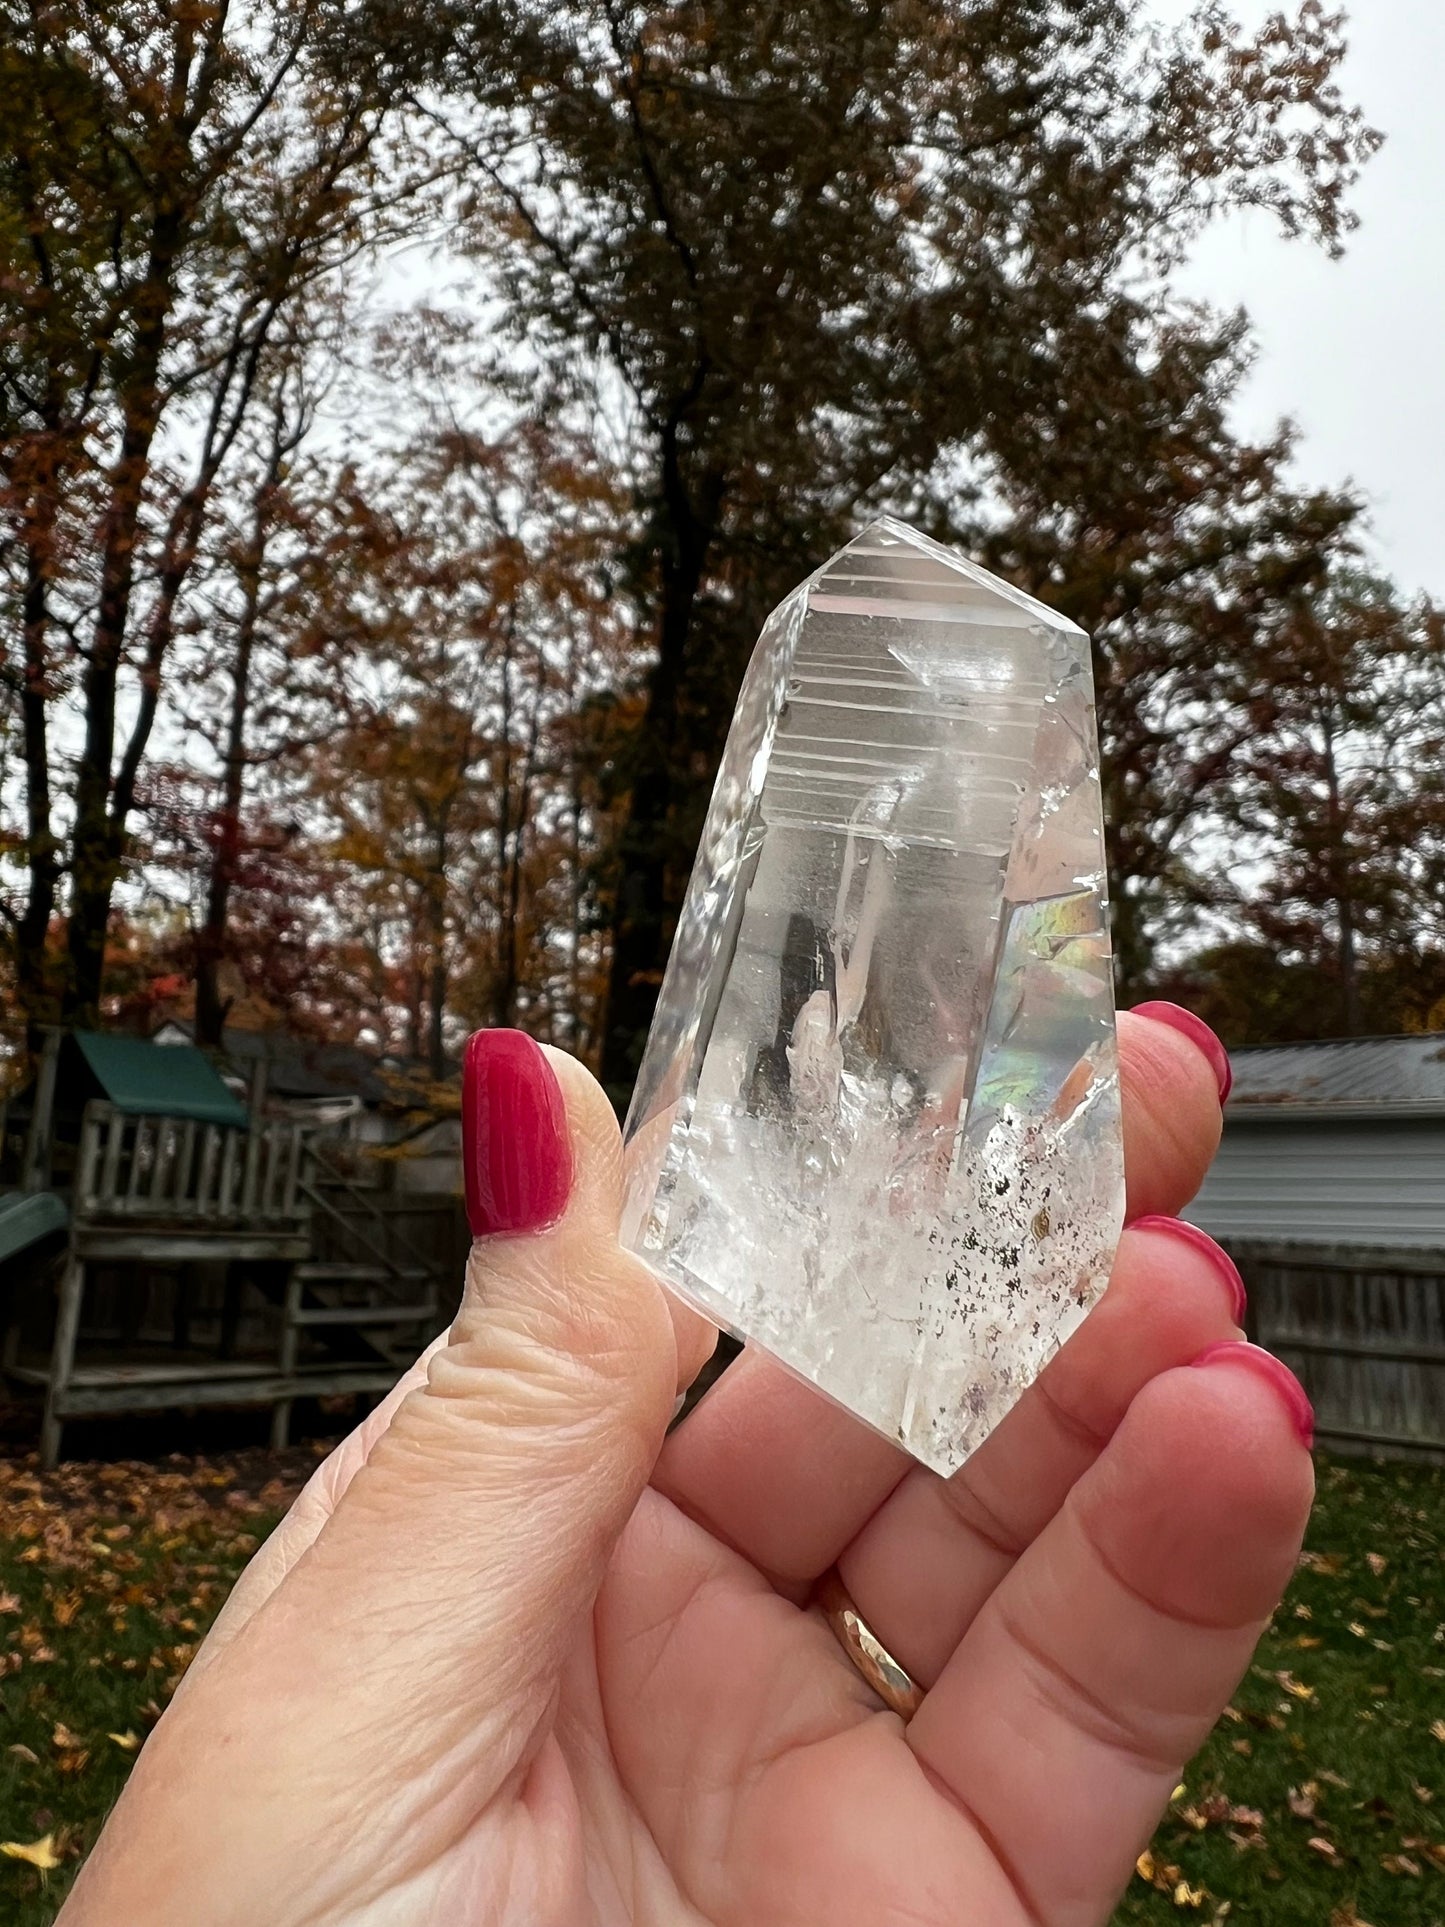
876, 1128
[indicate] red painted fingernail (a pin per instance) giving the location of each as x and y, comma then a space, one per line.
1268, 1367
1198, 1033
516, 1148
1202, 1242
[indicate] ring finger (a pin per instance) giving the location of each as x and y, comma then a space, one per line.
931, 1555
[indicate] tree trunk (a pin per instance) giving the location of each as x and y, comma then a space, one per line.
1346, 959
416, 995
98, 840
438, 976
642, 917
211, 1007
503, 989
436, 1010
576, 1035
42, 853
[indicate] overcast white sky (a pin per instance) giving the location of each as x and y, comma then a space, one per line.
1354, 350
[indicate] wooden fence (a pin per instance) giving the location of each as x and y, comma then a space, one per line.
1364, 1330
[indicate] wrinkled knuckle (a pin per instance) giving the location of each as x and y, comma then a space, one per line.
555, 1345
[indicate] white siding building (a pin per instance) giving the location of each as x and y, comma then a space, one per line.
1329, 1189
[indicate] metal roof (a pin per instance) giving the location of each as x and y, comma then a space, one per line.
304, 1067
173, 1080
1346, 1078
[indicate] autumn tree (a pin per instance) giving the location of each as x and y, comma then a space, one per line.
837, 257
1188, 555
1325, 855
175, 179
455, 798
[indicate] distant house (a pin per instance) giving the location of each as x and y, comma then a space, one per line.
364, 1098
1329, 1189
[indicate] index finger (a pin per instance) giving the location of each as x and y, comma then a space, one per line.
777, 1471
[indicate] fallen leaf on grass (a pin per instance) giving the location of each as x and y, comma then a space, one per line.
1326, 1849
1296, 1688
36, 1853
1377, 1562
22, 1752
1437, 1731
1400, 1863
1301, 1800
1328, 1564
1162, 1874
1187, 1896
1347, 1917
10, 1602
62, 1739
127, 1742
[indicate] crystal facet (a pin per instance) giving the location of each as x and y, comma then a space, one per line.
876, 1129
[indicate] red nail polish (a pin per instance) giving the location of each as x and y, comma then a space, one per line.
1203, 1243
1266, 1366
516, 1148
1198, 1033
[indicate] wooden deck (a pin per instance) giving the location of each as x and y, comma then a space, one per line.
155, 1194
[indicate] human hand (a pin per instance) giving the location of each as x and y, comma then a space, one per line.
512, 1659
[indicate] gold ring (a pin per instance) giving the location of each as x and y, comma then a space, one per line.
893, 1684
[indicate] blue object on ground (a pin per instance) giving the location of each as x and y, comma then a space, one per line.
28, 1216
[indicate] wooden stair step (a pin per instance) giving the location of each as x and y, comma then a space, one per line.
343, 1315
99, 1389
324, 1271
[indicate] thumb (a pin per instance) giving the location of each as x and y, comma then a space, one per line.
486, 1511
417, 1642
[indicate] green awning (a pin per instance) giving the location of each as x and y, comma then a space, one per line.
165, 1080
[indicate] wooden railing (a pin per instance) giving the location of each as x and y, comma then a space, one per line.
179, 1169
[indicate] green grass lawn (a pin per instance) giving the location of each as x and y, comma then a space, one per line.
1318, 1802
1320, 1798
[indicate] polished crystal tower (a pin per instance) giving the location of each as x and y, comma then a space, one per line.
876, 1128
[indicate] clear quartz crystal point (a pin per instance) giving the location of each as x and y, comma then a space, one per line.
876, 1128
